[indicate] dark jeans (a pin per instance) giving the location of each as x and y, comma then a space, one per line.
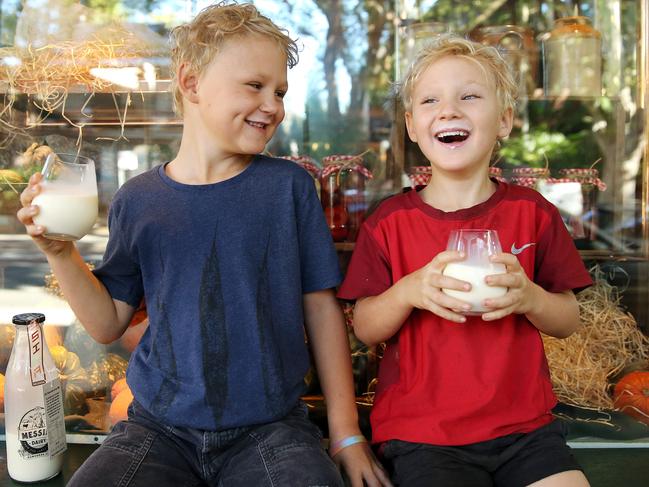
144, 453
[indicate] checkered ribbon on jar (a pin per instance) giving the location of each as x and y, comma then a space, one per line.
339, 163
419, 175
307, 163
585, 176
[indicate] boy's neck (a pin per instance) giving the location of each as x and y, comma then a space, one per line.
198, 163
452, 194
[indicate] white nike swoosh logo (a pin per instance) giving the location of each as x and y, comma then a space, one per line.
518, 250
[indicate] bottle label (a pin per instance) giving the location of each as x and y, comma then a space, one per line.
36, 369
53, 400
32, 433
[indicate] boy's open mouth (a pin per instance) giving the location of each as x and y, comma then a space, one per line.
454, 136
258, 125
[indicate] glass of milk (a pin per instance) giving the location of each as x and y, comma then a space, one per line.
478, 246
68, 202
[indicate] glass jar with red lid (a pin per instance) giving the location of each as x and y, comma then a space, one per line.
588, 178
342, 192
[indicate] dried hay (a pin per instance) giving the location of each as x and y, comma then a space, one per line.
63, 65
49, 73
582, 365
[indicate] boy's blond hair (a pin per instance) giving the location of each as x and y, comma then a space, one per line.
487, 57
198, 41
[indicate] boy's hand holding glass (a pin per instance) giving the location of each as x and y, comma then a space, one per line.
60, 204
522, 293
68, 198
480, 247
423, 289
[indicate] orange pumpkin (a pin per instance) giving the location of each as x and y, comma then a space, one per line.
631, 395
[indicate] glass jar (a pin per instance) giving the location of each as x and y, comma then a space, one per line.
497, 174
590, 183
529, 176
309, 165
411, 37
342, 193
518, 48
572, 59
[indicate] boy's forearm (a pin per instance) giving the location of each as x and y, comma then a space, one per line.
329, 343
555, 314
88, 298
378, 318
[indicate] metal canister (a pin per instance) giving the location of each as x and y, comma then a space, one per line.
411, 37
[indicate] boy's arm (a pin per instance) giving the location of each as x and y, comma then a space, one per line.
555, 314
378, 318
105, 319
325, 326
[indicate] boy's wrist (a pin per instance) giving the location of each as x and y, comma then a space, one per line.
342, 427
535, 300
337, 446
403, 294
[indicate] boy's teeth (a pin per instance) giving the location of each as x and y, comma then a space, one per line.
257, 124
450, 136
452, 133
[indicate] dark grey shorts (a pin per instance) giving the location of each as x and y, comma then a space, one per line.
142, 452
514, 460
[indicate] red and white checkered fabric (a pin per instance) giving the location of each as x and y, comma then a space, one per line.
419, 175
335, 163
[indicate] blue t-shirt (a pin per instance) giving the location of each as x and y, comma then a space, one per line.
223, 268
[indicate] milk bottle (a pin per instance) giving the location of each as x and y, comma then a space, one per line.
35, 429
478, 245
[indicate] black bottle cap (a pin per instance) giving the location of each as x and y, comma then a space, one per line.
27, 318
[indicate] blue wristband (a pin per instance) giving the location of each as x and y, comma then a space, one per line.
344, 443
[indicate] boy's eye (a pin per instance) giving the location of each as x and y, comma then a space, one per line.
428, 100
280, 94
470, 97
256, 86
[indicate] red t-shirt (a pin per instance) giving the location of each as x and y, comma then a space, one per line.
445, 383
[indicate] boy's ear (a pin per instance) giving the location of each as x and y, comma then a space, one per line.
506, 123
188, 83
410, 127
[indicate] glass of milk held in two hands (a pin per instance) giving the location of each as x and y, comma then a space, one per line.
478, 246
67, 203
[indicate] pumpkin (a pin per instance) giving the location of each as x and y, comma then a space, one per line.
631, 395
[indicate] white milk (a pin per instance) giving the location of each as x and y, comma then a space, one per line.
66, 214
475, 275
27, 467
30, 367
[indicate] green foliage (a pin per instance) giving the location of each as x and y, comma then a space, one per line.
562, 151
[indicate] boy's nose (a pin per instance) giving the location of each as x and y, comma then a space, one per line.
271, 105
448, 110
